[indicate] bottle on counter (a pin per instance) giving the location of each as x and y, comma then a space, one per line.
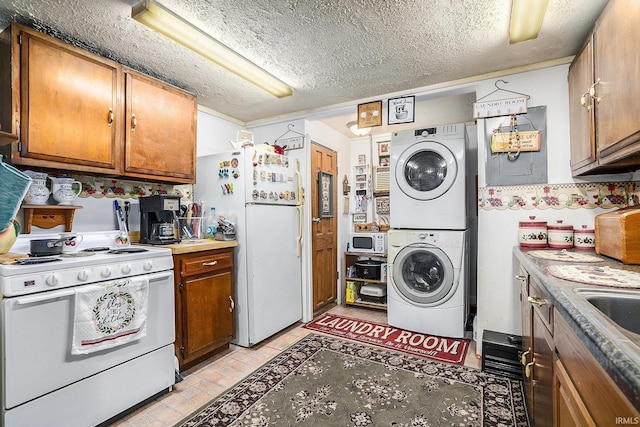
212, 224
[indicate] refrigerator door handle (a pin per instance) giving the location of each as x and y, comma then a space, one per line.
299, 207
299, 176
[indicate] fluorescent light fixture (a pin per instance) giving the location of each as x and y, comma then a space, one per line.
353, 127
526, 19
164, 21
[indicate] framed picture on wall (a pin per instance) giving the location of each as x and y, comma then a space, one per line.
383, 148
370, 114
325, 187
401, 110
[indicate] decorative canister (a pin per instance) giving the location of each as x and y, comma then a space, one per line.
532, 233
585, 238
560, 236
38, 193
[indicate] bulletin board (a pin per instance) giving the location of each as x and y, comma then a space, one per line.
528, 167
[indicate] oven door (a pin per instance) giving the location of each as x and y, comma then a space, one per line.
36, 342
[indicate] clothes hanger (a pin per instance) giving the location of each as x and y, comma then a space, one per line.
289, 130
498, 89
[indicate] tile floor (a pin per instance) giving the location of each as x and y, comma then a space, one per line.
209, 379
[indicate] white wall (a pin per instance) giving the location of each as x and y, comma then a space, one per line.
213, 134
498, 296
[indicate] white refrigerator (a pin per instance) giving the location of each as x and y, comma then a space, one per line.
261, 192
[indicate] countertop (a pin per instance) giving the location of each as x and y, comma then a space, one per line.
190, 246
619, 357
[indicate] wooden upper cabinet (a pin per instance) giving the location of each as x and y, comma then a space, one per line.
76, 111
583, 150
68, 106
617, 71
160, 129
605, 131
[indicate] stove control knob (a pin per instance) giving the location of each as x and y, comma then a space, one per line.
125, 268
106, 272
52, 280
148, 265
83, 275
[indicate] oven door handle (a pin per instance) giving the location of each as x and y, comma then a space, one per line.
46, 296
43, 297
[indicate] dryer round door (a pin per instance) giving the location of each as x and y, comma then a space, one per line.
426, 170
423, 275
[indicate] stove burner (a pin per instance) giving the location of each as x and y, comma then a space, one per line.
36, 260
127, 250
96, 249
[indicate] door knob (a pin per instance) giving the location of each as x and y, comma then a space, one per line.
316, 220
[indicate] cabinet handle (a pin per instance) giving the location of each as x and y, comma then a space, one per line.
592, 91
528, 369
110, 121
537, 301
583, 101
134, 122
209, 264
233, 304
523, 358
521, 277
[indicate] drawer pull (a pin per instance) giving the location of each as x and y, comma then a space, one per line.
537, 301
233, 304
110, 120
528, 369
521, 277
209, 264
523, 358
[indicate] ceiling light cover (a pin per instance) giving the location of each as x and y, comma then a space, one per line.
526, 19
353, 127
164, 21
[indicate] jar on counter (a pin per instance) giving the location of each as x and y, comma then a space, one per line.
560, 236
585, 238
532, 233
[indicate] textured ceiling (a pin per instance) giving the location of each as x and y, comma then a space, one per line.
330, 52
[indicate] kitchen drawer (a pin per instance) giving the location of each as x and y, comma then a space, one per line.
542, 304
198, 263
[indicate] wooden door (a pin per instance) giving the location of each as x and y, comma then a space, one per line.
69, 106
160, 130
324, 229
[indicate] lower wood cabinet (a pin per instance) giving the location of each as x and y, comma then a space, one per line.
565, 385
205, 307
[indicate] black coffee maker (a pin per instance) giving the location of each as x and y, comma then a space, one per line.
159, 219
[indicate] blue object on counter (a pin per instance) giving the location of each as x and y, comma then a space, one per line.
14, 187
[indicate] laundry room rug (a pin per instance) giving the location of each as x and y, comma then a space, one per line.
450, 350
325, 381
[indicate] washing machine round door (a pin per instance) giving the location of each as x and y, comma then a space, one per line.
426, 170
423, 275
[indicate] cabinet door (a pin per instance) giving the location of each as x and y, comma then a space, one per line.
207, 311
69, 106
580, 116
570, 410
542, 374
617, 67
160, 129
527, 344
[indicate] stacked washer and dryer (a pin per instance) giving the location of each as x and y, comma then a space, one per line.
428, 244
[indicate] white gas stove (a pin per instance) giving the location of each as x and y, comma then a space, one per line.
44, 381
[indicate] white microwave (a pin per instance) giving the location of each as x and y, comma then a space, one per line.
375, 243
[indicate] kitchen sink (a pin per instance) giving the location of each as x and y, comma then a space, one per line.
619, 306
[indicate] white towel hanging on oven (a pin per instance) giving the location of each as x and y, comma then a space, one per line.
109, 314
